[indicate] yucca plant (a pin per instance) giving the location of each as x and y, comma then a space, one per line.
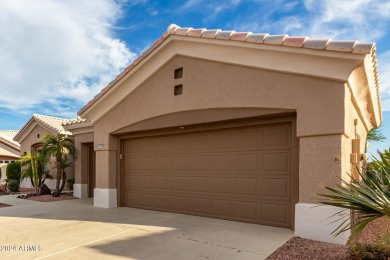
367, 199
34, 168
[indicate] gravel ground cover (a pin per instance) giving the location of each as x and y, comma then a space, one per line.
298, 248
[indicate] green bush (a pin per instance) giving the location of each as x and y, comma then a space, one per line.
13, 185
13, 171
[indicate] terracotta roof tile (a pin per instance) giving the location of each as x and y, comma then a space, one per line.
275, 39
240, 36
7, 136
210, 33
196, 32
319, 43
182, 31
74, 121
342, 46
224, 35
172, 28
53, 123
264, 38
295, 41
256, 37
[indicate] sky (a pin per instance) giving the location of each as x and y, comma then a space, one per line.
56, 55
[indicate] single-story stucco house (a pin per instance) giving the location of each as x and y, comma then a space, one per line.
30, 138
9, 150
232, 125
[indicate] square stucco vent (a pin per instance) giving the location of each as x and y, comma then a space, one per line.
178, 90
178, 73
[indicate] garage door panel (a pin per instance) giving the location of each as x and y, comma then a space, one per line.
222, 162
275, 214
247, 139
222, 208
247, 163
224, 185
179, 183
200, 205
199, 142
198, 163
163, 202
239, 173
222, 141
246, 211
147, 181
276, 188
180, 203
199, 184
162, 182
247, 186
276, 163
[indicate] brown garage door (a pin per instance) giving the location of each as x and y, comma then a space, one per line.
241, 173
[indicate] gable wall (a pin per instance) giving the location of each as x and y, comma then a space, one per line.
208, 85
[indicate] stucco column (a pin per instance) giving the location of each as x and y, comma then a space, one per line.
81, 164
320, 165
105, 193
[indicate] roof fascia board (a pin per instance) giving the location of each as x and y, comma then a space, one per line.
323, 64
8, 144
80, 129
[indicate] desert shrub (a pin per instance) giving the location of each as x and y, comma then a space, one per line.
380, 250
13, 171
13, 185
368, 198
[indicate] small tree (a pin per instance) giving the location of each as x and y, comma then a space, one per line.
60, 146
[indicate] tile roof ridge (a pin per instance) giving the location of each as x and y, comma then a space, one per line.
305, 42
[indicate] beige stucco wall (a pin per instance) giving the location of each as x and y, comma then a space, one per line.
32, 138
321, 105
81, 163
208, 85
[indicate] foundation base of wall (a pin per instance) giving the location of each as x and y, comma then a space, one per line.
313, 222
105, 198
51, 184
80, 190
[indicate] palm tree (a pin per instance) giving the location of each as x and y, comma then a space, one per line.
59, 146
369, 199
376, 135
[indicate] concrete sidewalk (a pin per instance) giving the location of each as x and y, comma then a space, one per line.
74, 229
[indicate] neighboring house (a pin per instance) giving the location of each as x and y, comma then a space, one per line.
30, 139
239, 126
9, 150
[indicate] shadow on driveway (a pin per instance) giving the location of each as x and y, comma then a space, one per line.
76, 229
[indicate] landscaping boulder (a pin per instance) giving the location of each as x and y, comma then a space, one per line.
44, 190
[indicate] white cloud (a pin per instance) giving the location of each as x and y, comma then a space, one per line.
59, 53
348, 19
363, 20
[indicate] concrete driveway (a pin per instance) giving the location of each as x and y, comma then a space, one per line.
77, 230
